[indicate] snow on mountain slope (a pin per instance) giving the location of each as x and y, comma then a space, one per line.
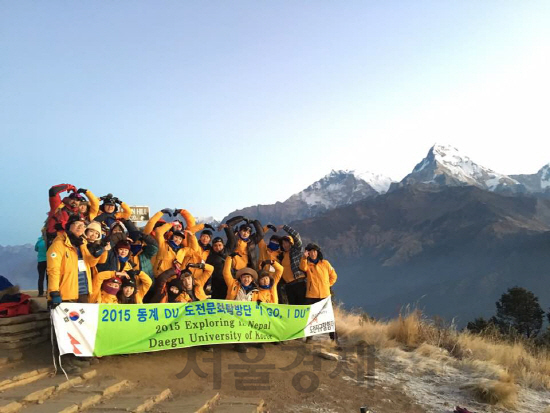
445, 165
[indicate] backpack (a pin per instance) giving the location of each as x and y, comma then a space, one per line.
18, 306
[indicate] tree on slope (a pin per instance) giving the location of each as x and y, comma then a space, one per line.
519, 310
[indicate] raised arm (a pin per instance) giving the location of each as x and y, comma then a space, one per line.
259, 234
295, 236
126, 212
151, 223
94, 204
227, 277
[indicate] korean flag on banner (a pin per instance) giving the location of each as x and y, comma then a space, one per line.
75, 328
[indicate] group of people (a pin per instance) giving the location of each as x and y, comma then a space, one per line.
96, 254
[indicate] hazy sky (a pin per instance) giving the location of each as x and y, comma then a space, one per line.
218, 105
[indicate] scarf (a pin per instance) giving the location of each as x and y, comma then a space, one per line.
76, 241
313, 261
174, 246
123, 260
265, 287
244, 239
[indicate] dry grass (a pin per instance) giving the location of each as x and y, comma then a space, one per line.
503, 392
498, 361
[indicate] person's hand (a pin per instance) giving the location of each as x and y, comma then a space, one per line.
186, 231
132, 273
56, 299
222, 226
272, 227
279, 227
234, 254
247, 220
71, 188
82, 191
306, 254
167, 211
209, 227
266, 262
199, 265
108, 247
122, 274
116, 200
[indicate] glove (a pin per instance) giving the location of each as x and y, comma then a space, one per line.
56, 299
272, 227
71, 188
258, 302
167, 211
209, 227
266, 262
246, 220
233, 254
81, 191
116, 200
201, 266
132, 273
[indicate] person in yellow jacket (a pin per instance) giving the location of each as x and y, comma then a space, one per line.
107, 284
90, 208
271, 250
135, 285
320, 276
108, 210
243, 287
190, 224
192, 284
69, 265
183, 283
269, 277
172, 249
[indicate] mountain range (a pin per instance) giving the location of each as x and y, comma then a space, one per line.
450, 237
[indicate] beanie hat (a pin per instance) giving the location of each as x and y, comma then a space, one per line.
122, 244
245, 226
128, 282
72, 220
206, 232
76, 196
179, 234
217, 239
95, 226
111, 290
118, 223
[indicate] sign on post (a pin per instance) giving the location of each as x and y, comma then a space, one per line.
139, 213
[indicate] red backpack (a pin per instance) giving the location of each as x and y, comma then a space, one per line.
15, 308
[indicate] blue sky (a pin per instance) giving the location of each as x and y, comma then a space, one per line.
214, 106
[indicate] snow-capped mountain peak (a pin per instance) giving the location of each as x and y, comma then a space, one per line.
342, 187
380, 183
545, 176
445, 165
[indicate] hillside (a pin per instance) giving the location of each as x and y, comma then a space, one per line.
452, 250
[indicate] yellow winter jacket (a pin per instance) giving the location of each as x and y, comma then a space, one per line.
233, 285
93, 210
201, 276
270, 295
143, 283
62, 267
265, 253
320, 277
166, 255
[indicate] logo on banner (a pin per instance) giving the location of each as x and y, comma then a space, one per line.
75, 316
74, 343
